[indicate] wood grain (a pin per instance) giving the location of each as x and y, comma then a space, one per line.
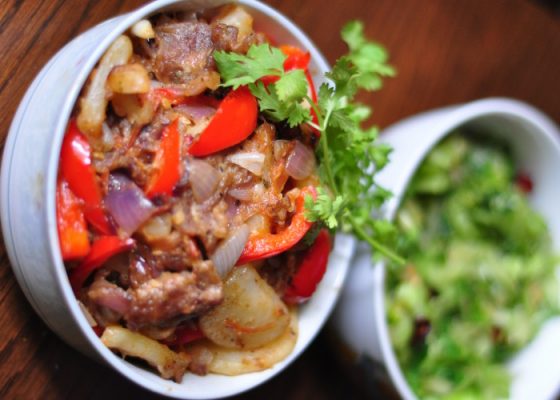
446, 52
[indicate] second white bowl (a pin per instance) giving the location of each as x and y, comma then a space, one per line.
360, 316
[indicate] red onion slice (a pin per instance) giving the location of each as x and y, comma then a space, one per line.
127, 203
109, 295
228, 252
245, 193
301, 161
252, 161
196, 113
203, 178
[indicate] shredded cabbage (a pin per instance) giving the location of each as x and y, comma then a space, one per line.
480, 279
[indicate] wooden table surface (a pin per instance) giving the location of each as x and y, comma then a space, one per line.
446, 52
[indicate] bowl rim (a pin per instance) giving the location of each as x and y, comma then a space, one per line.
456, 117
61, 278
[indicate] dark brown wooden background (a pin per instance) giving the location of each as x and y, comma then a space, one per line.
446, 51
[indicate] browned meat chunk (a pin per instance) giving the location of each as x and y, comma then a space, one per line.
107, 302
173, 294
184, 51
142, 268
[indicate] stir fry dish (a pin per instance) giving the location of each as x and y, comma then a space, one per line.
480, 281
200, 178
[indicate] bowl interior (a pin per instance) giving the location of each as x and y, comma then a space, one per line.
312, 315
536, 150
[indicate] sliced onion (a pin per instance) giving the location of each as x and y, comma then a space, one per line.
243, 194
228, 252
127, 203
204, 179
252, 161
281, 147
301, 161
158, 227
116, 301
247, 193
196, 113
232, 208
258, 224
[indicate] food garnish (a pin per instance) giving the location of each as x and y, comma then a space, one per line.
349, 156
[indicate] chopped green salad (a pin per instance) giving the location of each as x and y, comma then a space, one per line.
480, 278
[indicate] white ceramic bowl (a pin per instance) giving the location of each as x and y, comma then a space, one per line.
28, 182
360, 317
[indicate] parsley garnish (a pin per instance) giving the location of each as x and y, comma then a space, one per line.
349, 155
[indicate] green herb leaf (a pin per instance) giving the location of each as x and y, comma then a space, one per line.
278, 110
324, 208
349, 155
238, 69
292, 86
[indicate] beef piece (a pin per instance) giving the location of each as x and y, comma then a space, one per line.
225, 37
134, 150
184, 51
278, 271
143, 267
180, 258
106, 301
174, 294
208, 222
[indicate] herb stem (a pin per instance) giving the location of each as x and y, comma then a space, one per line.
323, 141
384, 250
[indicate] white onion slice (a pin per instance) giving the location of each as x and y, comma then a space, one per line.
252, 161
301, 161
228, 252
203, 178
243, 194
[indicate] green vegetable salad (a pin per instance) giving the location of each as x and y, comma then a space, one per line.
480, 278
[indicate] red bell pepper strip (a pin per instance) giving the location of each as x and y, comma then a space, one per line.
77, 170
102, 249
71, 224
186, 334
234, 121
296, 58
166, 163
310, 271
266, 245
173, 97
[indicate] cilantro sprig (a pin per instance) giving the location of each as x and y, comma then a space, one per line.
350, 156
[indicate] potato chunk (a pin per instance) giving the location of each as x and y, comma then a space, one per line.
93, 103
233, 362
128, 343
251, 314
